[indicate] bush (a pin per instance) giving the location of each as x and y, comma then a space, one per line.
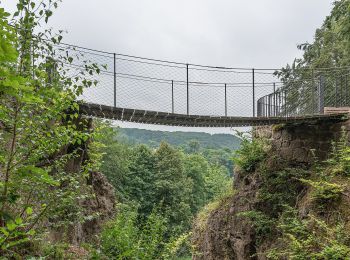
126, 238
263, 224
251, 153
324, 192
119, 238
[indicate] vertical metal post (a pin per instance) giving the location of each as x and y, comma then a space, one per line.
336, 92
115, 80
274, 100
188, 100
285, 103
172, 96
347, 103
341, 91
253, 79
225, 99
321, 95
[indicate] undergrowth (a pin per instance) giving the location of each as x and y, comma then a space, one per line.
302, 210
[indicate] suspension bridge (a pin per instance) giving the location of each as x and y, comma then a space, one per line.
152, 91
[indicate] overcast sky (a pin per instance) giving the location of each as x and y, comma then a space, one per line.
232, 33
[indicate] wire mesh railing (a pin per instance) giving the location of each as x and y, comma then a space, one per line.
132, 82
307, 96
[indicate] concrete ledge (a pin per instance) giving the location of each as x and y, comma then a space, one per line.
336, 110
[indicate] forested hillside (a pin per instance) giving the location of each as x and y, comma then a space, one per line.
203, 140
217, 149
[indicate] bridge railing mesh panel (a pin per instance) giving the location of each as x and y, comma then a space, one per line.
147, 84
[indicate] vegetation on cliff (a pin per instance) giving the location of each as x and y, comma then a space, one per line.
37, 137
280, 210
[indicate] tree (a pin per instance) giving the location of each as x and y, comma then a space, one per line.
172, 188
331, 50
141, 180
115, 161
196, 168
35, 128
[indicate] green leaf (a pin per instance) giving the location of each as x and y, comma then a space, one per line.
4, 231
29, 211
18, 220
11, 225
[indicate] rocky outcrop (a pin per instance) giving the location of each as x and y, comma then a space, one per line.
101, 205
98, 203
226, 233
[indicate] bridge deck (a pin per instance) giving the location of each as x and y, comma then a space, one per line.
162, 118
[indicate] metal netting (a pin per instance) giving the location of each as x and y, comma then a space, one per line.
153, 85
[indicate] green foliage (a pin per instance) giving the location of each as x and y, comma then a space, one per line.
217, 182
34, 129
251, 153
263, 223
324, 192
175, 184
195, 166
311, 238
330, 49
123, 238
217, 148
280, 188
340, 157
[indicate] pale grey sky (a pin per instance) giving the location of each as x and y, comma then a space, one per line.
232, 33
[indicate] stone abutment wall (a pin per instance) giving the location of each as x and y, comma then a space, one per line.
302, 142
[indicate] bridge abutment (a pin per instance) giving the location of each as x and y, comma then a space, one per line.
303, 142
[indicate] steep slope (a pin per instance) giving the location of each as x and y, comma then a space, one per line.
285, 204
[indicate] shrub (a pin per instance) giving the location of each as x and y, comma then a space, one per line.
126, 238
263, 224
119, 238
324, 192
310, 238
251, 153
339, 162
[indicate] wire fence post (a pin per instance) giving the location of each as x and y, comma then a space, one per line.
172, 96
225, 99
346, 91
188, 100
274, 100
253, 79
285, 103
321, 95
336, 92
115, 80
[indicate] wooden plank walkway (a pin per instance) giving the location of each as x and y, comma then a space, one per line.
169, 119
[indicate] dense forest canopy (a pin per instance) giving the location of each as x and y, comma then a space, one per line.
216, 148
